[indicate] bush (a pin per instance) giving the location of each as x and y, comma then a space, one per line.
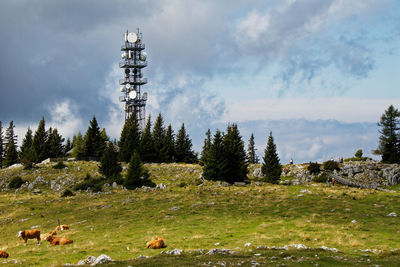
16, 182
94, 184
330, 165
320, 178
60, 165
314, 167
67, 193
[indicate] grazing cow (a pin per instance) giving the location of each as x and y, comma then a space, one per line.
156, 243
58, 240
62, 227
3, 254
30, 234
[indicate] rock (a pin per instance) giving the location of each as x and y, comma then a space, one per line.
36, 191
247, 244
78, 168
330, 249
216, 244
101, 259
175, 252
161, 186
296, 246
17, 165
174, 208
45, 161
306, 191
239, 183
114, 185
392, 214
220, 251
353, 221
88, 260
257, 173
142, 257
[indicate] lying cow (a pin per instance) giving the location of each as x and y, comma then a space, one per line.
3, 254
30, 234
54, 232
58, 240
156, 243
62, 227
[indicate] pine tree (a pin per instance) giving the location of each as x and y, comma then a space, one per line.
215, 164
55, 144
137, 175
94, 144
67, 147
158, 136
271, 167
169, 145
389, 140
39, 141
27, 154
109, 165
183, 147
206, 147
27, 142
104, 135
235, 155
129, 140
11, 154
78, 146
1, 146
252, 157
146, 144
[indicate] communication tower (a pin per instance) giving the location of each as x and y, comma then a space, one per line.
133, 61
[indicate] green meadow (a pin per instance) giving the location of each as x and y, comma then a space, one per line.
192, 214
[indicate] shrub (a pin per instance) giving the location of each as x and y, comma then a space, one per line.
60, 165
358, 153
320, 178
16, 182
67, 193
330, 165
314, 167
94, 184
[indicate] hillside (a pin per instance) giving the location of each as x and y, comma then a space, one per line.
193, 214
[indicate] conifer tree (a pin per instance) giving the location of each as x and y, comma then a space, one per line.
11, 154
215, 163
27, 153
389, 142
67, 147
55, 144
104, 135
183, 147
146, 143
252, 157
158, 136
39, 141
169, 145
1, 146
129, 140
137, 175
27, 142
271, 167
109, 165
235, 155
206, 147
78, 146
94, 144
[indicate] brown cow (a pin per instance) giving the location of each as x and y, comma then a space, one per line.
54, 232
3, 254
156, 243
58, 240
62, 227
30, 234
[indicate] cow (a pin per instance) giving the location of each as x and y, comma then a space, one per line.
156, 243
54, 232
62, 227
58, 240
29, 234
3, 254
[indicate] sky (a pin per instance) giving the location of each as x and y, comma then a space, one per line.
317, 74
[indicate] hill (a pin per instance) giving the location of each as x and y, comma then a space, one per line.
261, 223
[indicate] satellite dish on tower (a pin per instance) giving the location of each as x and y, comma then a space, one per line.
143, 56
132, 37
132, 94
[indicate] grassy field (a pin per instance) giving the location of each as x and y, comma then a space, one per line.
191, 216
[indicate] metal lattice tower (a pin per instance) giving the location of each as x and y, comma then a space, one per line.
133, 61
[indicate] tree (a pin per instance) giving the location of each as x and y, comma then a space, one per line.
78, 146
27, 153
252, 157
215, 162
359, 153
169, 145
94, 143
11, 154
158, 136
67, 147
206, 147
183, 147
271, 167
146, 150
1, 146
235, 156
27, 142
129, 140
55, 143
137, 175
39, 141
389, 139
109, 165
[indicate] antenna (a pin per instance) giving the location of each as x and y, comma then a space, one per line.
133, 61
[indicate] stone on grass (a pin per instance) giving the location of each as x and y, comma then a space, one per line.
88, 260
392, 214
353, 221
247, 244
222, 251
175, 252
330, 249
101, 259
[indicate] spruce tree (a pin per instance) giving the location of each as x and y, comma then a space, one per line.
147, 153
1, 146
67, 147
271, 167
158, 136
137, 175
206, 148
129, 140
94, 143
27, 142
252, 157
39, 141
27, 153
55, 142
109, 165
215, 164
389, 140
169, 145
78, 146
183, 147
11, 154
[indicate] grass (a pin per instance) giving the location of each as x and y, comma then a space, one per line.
119, 223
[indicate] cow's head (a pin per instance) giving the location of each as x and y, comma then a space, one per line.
21, 234
49, 238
